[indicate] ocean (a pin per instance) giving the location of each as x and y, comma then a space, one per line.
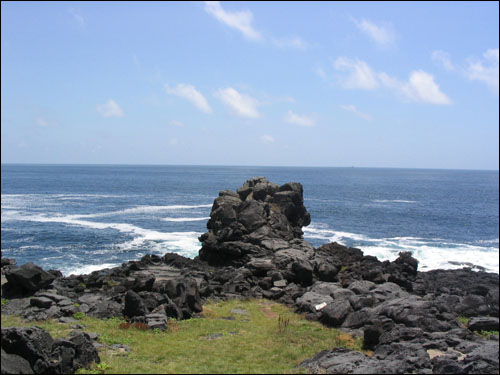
81, 218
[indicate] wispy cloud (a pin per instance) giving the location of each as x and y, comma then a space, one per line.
77, 15
241, 21
420, 86
241, 104
443, 58
189, 93
176, 123
353, 109
302, 120
41, 121
320, 72
110, 109
360, 75
266, 138
484, 69
291, 42
380, 34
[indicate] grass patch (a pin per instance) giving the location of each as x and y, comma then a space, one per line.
4, 301
463, 320
487, 333
268, 338
56, 329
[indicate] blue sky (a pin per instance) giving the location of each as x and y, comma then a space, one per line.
389, 84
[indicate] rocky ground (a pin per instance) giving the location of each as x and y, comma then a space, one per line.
254, 248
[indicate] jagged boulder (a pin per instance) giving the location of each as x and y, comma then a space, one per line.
27, 279
33, 351
243, 224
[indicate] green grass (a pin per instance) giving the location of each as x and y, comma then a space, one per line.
463, 320
257, 342
4, 301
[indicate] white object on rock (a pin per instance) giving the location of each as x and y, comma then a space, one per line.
320, 306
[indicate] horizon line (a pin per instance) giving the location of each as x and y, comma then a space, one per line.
243, 166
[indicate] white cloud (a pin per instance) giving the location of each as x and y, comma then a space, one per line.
241, 21
176, 123
291, 42
77, 15
110, 109
420, 87
266, 138
242, 105
173, 142
190, 93
302, 120
382, 35
486, 70
320, 72
483, 70
360, 75
42, 121
353, 109
443, 58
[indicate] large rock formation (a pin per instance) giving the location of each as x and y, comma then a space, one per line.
257, 220
34, 351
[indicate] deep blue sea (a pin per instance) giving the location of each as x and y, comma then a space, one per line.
80, 218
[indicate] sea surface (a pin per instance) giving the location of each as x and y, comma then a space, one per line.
81, 218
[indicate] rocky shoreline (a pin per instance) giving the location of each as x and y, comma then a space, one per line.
254, 248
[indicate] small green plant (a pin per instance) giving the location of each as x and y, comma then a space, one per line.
282, 323
83, 285
79, 315
4, 301
112, 283
463, 320
76, 304
487, 333
344, 268
99, 368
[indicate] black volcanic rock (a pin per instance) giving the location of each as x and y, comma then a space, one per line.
33, 351
243, 222
27, 279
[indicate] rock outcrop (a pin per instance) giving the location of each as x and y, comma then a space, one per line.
257, 220
34, 351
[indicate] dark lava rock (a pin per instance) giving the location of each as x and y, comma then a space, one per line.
259, 211
33, 351
27, 279
335, 313
483, 324
134, 305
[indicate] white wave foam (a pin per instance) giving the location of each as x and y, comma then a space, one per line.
435, 253
431, 257
86, 269
184, 243
181, 219
331, 235
147, 209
